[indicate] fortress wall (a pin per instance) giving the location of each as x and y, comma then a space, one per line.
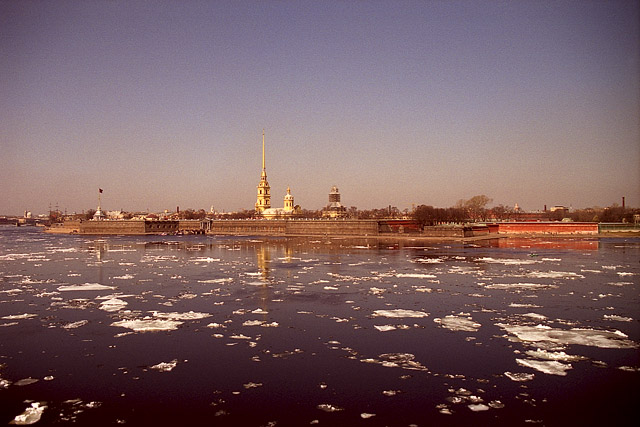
275, 227
113, 227
66, 227
189, 225
295, 227
440, 231
548, 227
160, 226
337, 227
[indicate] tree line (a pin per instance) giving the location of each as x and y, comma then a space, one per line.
471, 210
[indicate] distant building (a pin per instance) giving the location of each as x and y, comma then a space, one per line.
334, 209
264, 190
263, 203
289, 209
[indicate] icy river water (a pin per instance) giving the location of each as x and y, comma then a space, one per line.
211, 330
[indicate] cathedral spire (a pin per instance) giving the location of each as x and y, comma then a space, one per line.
264, 197
263, 162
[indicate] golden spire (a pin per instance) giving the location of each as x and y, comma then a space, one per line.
263, 163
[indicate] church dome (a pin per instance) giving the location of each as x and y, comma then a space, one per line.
288, 196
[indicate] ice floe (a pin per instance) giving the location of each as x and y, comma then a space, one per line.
397, 360
551, 367
75, 325
520, 286
165, 366
85, 287
148, 325
560, 356
617, 318
399, 313
328, 408
262, 323
554, 275
416, 275
519, 376
223, 280
457, 323
190, 315
20, 316
113, 304
508, 261
587, 337
31, 415
385, 328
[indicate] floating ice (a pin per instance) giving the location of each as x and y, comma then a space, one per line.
31, 415
551, 367
554, 355
328, 408
617, 318
190, 315
520, 286
148, 325
366, 415
124, 277
240, 337
330, 288
26, 381
535, 316
400, 313
224, 280
589, 337
456, 323
205, 259
416, 275
428, 260
20, 316
85, 287
215, 325
113, 304
476, 407
397, 360
554, 275
385, 328
508, 261
165, 366
74, 325
260, 323
252, 385
513, 304
519, 376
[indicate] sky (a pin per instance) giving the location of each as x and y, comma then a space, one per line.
163, 103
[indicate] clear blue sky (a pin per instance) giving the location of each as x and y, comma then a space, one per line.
162, 103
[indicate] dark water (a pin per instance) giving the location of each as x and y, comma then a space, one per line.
199, 330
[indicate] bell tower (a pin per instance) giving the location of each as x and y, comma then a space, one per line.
288, 201
264, 191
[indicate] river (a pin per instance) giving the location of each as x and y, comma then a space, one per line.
221, 330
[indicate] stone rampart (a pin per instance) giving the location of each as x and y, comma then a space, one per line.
113, 227
296, 227
547, 228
